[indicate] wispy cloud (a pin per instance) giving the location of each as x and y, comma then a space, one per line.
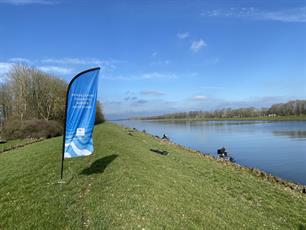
130, 92
197, 45
5, 67
139, 107
66, 65
2, 78
182, 35
291, 15
135, 101
130, 98
157, 75
19, 60
79, 61
107, 66
257, 102
144, 76
140, 102
27, 2
285, 15
56, 69
161, 62
199, 98
152, 92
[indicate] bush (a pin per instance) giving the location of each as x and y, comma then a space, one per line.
32, 129
99, 114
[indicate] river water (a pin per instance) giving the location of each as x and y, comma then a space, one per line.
276, 147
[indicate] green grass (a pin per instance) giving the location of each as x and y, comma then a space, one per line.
12, 143
124, 185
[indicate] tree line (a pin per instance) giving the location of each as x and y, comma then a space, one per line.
295, 107
30, 97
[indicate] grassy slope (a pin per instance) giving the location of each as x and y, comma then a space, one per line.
12, 143
128, 186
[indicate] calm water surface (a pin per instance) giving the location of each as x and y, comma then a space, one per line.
277, 147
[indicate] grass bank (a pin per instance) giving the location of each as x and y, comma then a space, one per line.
12, 144
125, 185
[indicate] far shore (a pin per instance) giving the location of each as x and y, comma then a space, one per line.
277, 118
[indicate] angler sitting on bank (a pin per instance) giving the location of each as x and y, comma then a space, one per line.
165, 137
221, 152
223, 155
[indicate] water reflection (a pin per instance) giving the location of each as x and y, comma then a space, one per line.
209, 123
291, 134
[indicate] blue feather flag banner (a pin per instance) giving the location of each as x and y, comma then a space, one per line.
80, 114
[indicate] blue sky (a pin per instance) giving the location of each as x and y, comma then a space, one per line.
164, 56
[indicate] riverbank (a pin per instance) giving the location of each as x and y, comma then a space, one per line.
127, 184
277, 118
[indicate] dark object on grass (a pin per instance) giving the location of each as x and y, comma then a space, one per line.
304, 190
229, 158
221, 152
131, 134
161, 152
165, 137
2, 141
99, 165
224, 155
144, 131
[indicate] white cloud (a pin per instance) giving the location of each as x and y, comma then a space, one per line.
156, 75
182, 35
66, 61
199, 98
27, 2
285, 15
197, 45
61, 65
5, 67
106, 65
19, 60
291, 15
56, 69
144, 76
76, 61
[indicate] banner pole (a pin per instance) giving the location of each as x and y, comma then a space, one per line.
63, 148
64, 135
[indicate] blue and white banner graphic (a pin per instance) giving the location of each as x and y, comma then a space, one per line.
80, 114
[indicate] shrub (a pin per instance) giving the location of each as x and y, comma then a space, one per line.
99, 114
17, 129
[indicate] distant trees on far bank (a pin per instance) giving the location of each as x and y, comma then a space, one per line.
296, 107
32, 95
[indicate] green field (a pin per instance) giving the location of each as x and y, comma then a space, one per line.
13, 143
124, 185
